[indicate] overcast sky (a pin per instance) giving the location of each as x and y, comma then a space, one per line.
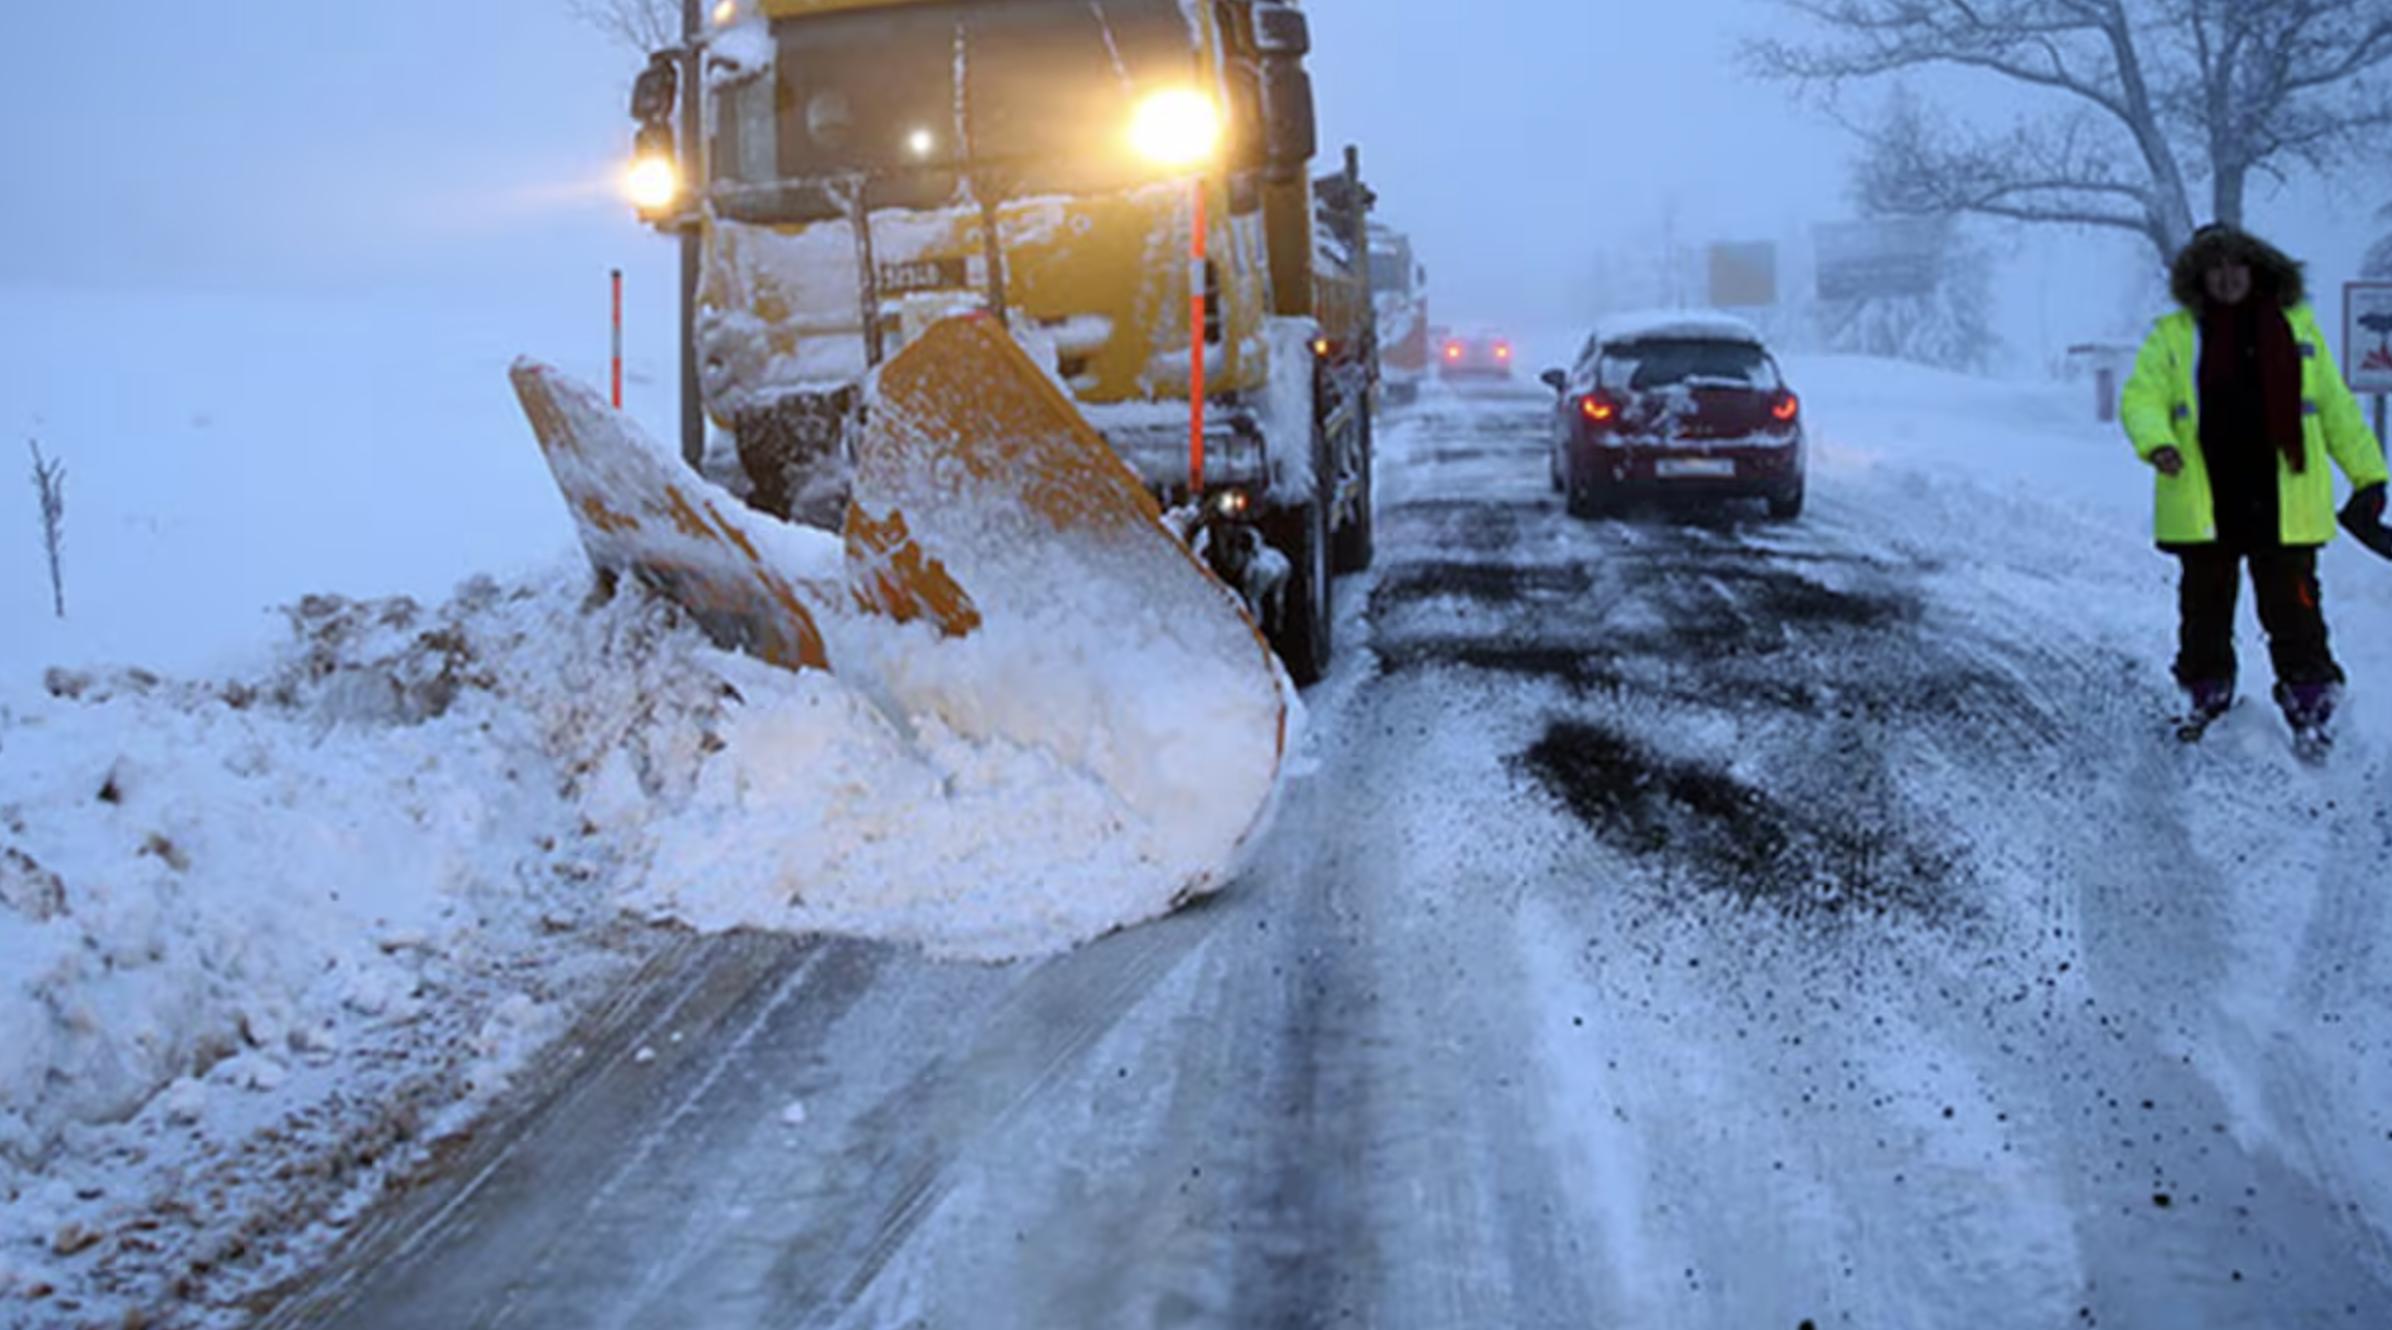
1594, 121
473, 144
374, 141
267, 141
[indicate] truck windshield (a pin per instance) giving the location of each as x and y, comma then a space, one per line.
1028, 95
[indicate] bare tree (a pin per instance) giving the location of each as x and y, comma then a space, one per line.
642, 25
2133, 104
2378, 262
49, 479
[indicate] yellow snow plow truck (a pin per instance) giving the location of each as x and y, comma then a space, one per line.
1033, 315
1097, 178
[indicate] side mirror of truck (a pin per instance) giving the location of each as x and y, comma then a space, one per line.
1289, 136
653, 91
1281, 30
1554, 379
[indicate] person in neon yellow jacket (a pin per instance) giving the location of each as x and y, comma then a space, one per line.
2237, 405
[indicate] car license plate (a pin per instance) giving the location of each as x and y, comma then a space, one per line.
921, 275
1696, 467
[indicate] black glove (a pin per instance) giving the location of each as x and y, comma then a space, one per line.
2363, 517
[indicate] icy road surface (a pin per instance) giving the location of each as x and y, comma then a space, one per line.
1686, 922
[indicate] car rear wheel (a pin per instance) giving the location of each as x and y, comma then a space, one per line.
1787, 506
1584, 499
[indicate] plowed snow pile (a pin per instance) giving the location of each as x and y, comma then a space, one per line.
280, 906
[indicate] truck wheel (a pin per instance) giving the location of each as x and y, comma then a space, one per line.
1301, 635
1356, 540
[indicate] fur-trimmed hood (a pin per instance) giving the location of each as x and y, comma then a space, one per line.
2273, 272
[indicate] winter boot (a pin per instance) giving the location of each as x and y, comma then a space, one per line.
2207, 699
2308, 706
2204, 701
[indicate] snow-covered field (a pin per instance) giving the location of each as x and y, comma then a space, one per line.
329, 802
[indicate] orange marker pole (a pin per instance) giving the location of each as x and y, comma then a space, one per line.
1196, 342
618, 346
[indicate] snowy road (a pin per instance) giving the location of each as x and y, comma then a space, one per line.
1680, 923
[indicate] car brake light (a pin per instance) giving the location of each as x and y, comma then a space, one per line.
1453, 350
1503, 350
1785, 407
1598, 408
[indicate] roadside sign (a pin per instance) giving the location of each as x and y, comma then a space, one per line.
1880, 258
2367, 336
1743, 274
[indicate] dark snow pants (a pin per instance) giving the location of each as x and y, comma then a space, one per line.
2283, 586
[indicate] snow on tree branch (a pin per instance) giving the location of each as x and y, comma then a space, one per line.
2132, 104
2378, 260
2059, 170
642, 25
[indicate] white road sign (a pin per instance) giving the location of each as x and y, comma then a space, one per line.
2367, 336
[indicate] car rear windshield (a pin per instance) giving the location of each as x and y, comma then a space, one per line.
1696, 364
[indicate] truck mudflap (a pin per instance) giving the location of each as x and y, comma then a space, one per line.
1001, 577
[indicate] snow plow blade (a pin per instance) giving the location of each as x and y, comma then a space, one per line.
641, 511
1089, 629
1002, 577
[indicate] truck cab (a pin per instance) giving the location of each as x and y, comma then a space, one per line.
1126, 185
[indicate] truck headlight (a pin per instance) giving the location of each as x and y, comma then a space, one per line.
654, 181
1177, 127
652, 184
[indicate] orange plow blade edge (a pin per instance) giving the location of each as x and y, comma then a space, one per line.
642, 512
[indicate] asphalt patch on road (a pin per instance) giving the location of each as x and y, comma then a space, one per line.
1497, 583
1471, 526
1734, 837
1827, 664
1748, 606
1712, 609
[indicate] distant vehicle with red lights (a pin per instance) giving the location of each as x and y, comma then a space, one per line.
1472, 353
1676, 404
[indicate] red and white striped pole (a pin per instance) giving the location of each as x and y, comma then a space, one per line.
1196, 341
617, 360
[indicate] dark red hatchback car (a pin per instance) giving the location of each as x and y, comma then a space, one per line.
1677, 404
